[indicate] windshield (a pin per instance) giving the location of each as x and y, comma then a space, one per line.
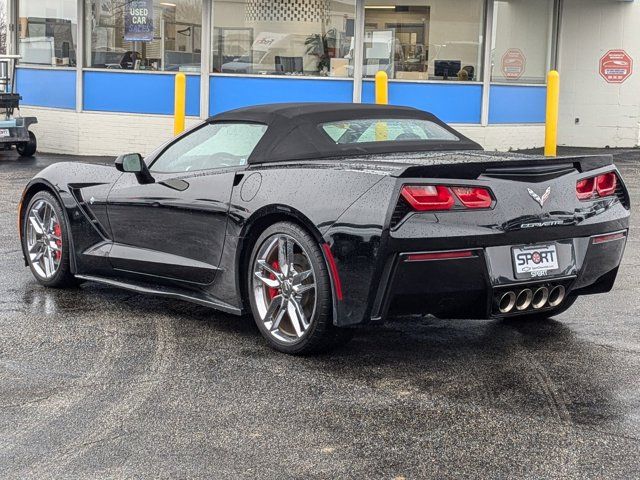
386, 130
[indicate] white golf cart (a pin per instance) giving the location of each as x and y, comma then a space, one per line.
14, 129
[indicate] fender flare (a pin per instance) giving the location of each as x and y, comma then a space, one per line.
36, 185
281, 212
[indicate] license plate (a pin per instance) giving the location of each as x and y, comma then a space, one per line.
4, 132
535, 261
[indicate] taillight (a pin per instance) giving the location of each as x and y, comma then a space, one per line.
428, 197
474, 197
606, 184
586, 188
601, 186
425, 198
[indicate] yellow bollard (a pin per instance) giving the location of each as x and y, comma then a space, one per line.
382, 98
180, 103
382, 131
382, 88
553, 105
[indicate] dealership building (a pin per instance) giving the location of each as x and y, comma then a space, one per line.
99, 74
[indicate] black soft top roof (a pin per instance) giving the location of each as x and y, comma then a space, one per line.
294, 131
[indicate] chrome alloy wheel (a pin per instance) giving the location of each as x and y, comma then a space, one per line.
284, 287
44, 239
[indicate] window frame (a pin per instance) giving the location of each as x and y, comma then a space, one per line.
479, 65
214, 27
551, 47
87, 36
13, 36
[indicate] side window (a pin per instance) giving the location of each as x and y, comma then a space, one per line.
215, 145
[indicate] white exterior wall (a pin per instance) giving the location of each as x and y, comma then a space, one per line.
100, 133
609, 114
505, 137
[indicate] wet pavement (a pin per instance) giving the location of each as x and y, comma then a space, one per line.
101, 383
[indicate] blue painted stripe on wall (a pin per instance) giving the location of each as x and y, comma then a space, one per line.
143, 93
111, 91
47, 87
517, 104
453, 103
229, 92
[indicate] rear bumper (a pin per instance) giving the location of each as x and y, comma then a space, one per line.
469, 285
17, 129
15, 135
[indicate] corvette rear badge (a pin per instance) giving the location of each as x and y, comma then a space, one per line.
538, 198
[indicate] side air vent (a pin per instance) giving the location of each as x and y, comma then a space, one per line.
623, 196
401, 211
77, 193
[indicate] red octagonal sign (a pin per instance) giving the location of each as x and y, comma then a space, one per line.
616, 66
513, 63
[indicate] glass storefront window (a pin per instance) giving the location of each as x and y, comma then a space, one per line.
143, 34
283, 37
47, 32
521, 42
424, 39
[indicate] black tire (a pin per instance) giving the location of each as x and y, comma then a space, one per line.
63, 277
321, 335
28, 149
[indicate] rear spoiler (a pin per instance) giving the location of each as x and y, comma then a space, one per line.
534, 168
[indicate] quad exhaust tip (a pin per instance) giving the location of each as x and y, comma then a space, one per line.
529, 299
556, 295
507, 302
524, 299
540, 298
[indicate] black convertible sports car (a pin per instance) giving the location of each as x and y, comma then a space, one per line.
316, 217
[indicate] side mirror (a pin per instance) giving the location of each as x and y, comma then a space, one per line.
133, 163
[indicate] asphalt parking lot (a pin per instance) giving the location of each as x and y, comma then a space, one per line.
101, 383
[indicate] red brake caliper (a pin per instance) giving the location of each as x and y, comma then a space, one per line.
272, 292
58, 233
